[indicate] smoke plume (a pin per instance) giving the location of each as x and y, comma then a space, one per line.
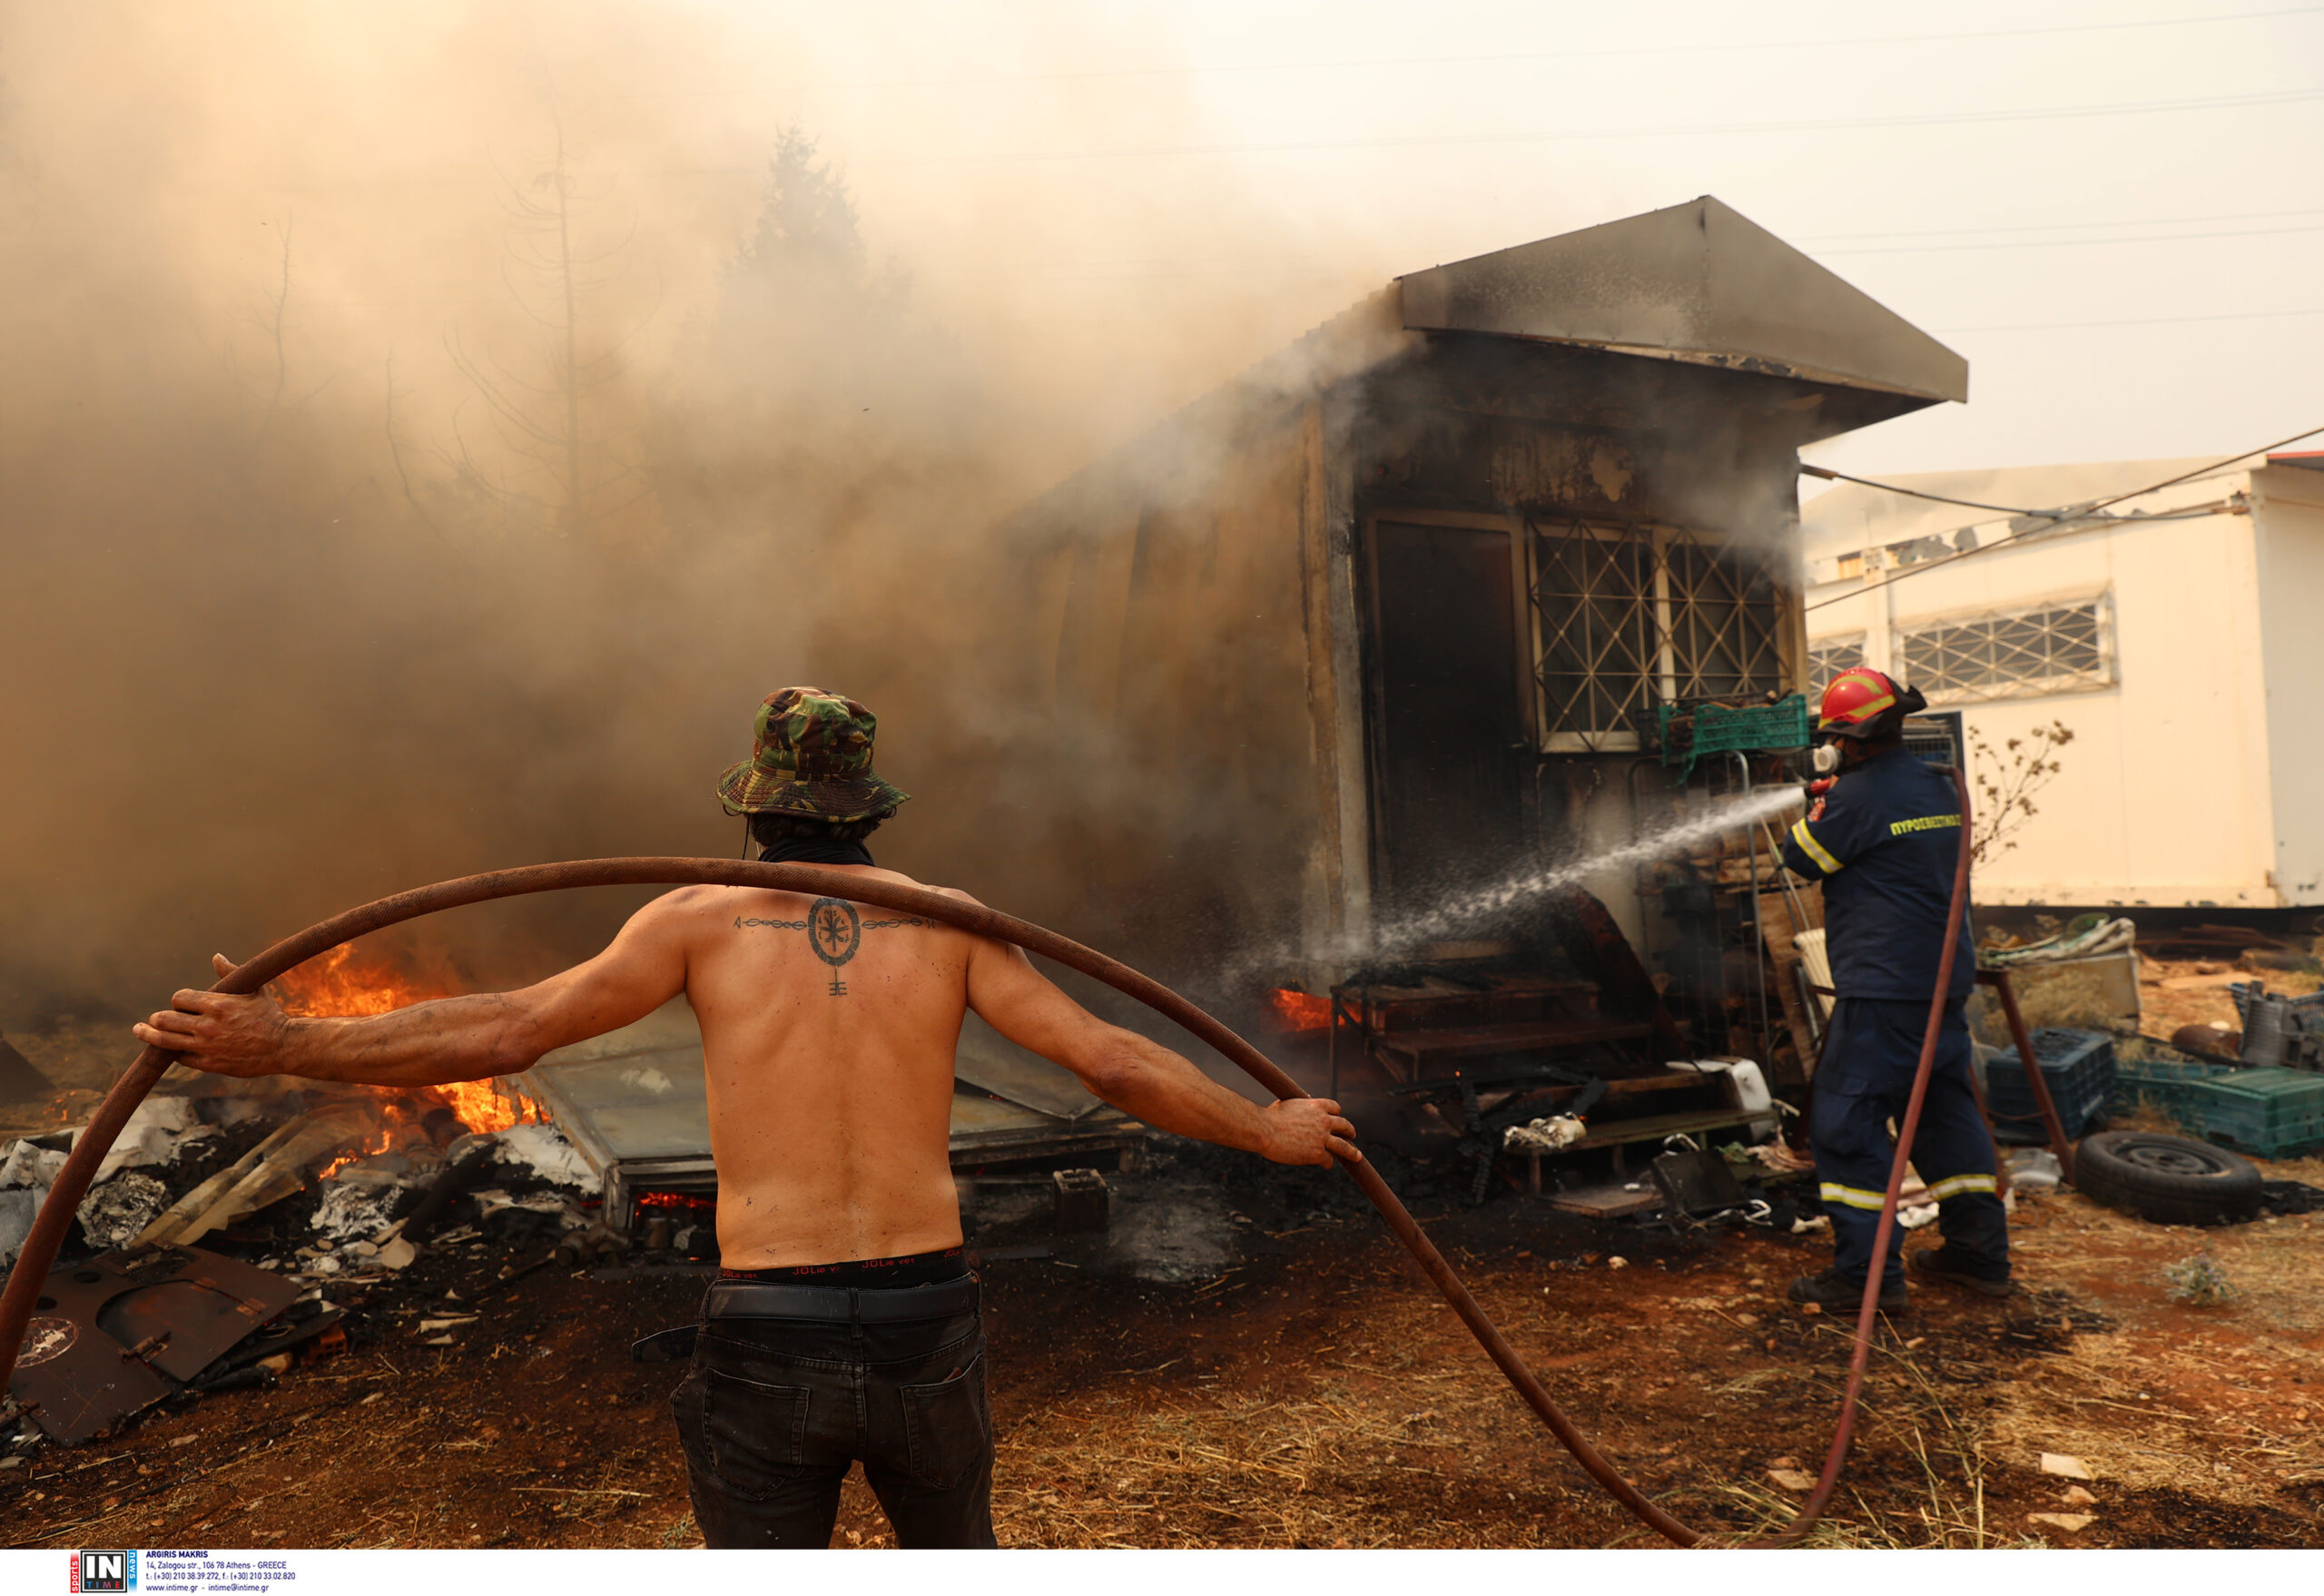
428, 432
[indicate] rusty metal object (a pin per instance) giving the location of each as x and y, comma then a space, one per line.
2060, 1143
72, 1182
2209, 1041
125, 1329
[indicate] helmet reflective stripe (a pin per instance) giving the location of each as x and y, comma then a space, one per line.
1854, 699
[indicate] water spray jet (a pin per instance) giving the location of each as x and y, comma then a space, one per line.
1444, 919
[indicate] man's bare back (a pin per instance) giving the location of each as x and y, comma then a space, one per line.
828, 1032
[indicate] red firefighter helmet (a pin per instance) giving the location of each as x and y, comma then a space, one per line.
1865, 704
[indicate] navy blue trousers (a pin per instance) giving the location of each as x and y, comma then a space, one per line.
1864, 1081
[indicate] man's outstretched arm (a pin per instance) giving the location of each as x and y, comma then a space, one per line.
451, 1039
1143, 1077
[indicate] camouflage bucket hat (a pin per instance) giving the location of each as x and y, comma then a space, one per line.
811, 755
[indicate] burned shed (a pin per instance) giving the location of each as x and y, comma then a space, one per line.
1397, 618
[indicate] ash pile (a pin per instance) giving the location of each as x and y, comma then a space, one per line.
237, 1228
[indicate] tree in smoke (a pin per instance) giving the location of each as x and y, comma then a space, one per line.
812, 391
807, 239
569, 458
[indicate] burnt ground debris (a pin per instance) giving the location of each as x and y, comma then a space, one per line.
1242, 1358
1284, 1377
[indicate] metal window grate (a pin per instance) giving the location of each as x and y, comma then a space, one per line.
1722, 620
1829, 656
2057, 648
1624, 617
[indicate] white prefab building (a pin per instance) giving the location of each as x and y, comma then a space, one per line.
2178, 634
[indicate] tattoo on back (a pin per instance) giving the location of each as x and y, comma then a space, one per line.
834, 931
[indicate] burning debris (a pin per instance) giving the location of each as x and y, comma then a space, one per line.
234, 1223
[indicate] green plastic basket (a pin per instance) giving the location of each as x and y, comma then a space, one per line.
2270, 1112
2174, 1089
1714, 728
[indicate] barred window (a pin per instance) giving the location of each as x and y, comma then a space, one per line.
1829, 656
2055, 647
1625, 616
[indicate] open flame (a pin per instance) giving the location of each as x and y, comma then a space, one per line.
336, 983
377, 1142
340, 985
1299, 1011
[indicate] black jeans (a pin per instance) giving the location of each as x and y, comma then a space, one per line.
772, 1412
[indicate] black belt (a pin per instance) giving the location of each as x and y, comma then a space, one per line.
827, 1305
839, 1305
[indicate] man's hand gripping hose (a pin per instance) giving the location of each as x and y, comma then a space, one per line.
72, 1183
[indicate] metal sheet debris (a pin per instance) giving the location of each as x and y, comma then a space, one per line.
119, 1332
634, 1106
990, 1062
20, 1080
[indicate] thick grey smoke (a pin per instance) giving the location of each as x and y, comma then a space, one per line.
428, 433
424, 435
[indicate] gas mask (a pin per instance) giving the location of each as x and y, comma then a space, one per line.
1826, 758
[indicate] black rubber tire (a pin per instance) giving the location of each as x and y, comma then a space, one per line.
2166, 1179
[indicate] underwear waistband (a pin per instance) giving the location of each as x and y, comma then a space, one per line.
929, 1268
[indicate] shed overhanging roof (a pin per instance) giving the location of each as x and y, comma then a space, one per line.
1697, 282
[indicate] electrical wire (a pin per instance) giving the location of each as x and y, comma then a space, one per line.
2137, 321
1568, 135
1836, 238
1831, 475
1497, 58
2056, 517
2068, 243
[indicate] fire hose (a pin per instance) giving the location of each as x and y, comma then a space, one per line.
72, 1182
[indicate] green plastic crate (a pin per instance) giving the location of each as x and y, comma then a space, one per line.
2174, 1089
2271, 1112
1716, 729
2267, 1111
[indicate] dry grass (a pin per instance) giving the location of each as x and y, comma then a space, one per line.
1333, 1468
2070, 996
2209, 1401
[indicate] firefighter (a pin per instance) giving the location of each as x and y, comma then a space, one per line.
1883, 838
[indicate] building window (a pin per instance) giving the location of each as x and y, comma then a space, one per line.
2060, 646
1626, 617
1829, 656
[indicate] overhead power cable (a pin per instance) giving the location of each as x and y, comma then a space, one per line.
2135, 321
1831, 475
2066, 243
1497, 58
2054, 517
1841, 238
1584, 135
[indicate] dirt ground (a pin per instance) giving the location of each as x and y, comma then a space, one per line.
1300, 1385
2187, 992
1312, 1392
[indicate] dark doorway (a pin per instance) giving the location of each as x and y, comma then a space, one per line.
1450, 740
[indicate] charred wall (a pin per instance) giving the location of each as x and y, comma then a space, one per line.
1172, 628
1160, 631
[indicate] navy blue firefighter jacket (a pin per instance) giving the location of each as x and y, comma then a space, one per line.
1884, 842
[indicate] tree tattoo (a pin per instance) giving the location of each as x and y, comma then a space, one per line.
834, 931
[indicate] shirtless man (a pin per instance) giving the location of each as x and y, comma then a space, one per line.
844, 1324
